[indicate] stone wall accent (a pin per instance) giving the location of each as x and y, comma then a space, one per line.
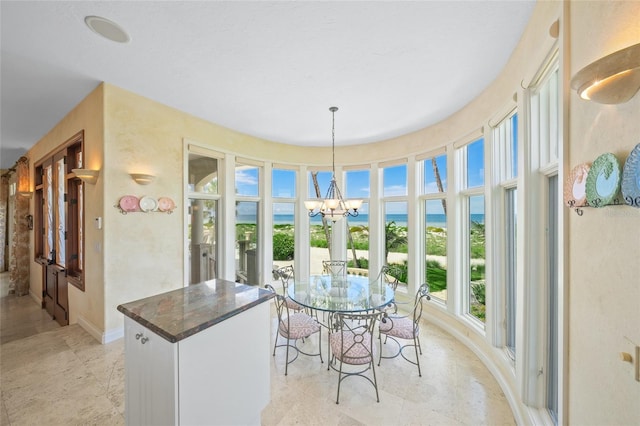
4, 200
19, 252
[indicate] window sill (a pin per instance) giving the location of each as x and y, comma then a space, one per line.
76, 281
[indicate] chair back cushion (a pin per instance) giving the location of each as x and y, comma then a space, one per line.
351, 337
352, 348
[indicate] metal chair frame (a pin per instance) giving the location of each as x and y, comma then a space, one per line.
384, 276
347, 331
284, 322
335, 267
414, 316
285, 274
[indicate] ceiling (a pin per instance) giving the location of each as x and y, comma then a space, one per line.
265, 68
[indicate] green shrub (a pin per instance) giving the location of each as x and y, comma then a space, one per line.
478, 290
477, 272
322, 243
478, 311
399, 271
283, 247
436, 276
364, 263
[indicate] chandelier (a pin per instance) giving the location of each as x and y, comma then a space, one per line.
333, 206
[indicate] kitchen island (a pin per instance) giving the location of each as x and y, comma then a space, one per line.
198, 355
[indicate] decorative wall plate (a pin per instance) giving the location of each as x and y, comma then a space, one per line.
574, 187
603, 180
148, 204
631, 178
166, 204
129, 203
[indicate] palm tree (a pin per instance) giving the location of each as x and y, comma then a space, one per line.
436, 173
325, 225
394, 237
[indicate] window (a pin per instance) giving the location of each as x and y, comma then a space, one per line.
284, 195
395, 204
552, 298
545, 315
477, 282
473, 228
435, 224
545, 119
202, 217
357, 186
511, 268
59, 221
394, 180
505, 152
247, 184
319, 230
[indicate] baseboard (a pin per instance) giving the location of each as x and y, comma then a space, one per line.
35, 297
99, 335
113, 335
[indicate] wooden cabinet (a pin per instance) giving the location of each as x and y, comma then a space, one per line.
218, 376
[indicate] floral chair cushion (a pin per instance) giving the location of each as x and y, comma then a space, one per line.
300, 325
400, 327
293, 305
356, 348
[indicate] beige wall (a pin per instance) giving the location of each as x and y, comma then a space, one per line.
87, 116
604, 244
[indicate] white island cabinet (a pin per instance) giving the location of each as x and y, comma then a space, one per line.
198, 356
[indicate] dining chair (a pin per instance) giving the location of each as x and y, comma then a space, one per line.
335, 268
405, 328
294, 326
385, 277
351, 343
286, 274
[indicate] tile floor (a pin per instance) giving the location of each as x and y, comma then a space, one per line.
51, 375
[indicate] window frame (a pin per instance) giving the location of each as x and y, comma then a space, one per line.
504, 256
72, 155
463, 262
194, 195
423, 198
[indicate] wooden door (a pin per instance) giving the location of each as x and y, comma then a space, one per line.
49, 292
56, 297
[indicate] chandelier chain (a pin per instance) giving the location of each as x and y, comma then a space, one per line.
333, 139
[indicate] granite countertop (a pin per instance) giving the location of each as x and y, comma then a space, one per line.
181, 313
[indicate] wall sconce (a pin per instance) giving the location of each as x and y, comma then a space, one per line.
23, 182
87, 175
142, 179
613, 79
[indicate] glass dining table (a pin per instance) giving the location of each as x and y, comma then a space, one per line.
347, 293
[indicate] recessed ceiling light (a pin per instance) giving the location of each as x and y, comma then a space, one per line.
107, 29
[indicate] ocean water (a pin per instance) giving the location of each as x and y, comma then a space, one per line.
436, 220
